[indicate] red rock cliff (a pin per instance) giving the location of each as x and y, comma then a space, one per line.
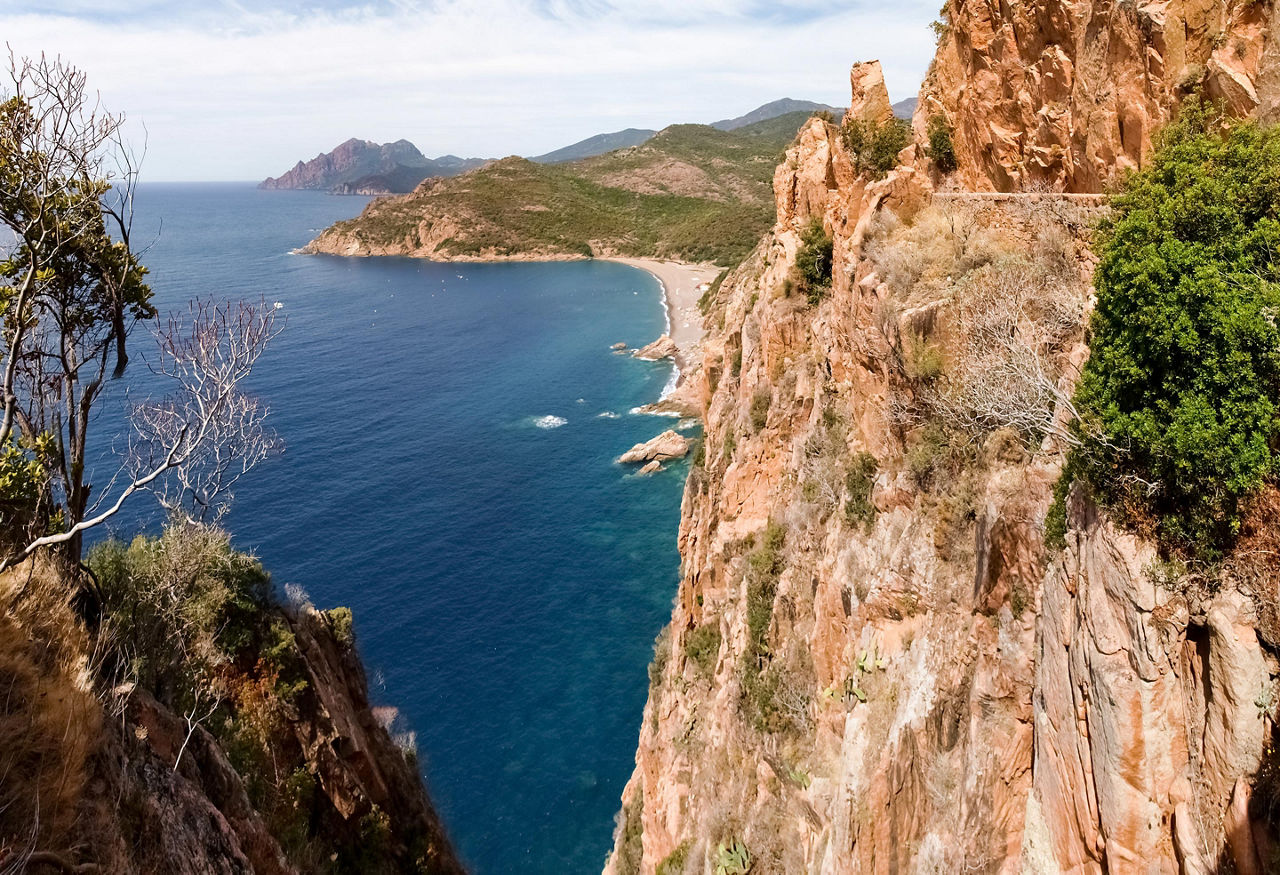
875, 663
1068, 94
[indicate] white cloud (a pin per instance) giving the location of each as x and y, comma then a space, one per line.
235, 94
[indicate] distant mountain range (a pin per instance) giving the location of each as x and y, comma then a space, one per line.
363, 167
597, 145
785, 106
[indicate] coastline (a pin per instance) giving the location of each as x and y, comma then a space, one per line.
679, 281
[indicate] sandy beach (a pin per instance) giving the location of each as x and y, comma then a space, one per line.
680, 283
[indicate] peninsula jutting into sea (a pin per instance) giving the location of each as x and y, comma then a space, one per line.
844, 486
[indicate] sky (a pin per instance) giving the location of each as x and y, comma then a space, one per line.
241, 90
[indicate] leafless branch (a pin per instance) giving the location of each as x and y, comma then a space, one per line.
207, 433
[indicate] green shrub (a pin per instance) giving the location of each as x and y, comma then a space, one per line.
814, 261
776, 700
859, 481
699, 453
674, 862
875, 145
764, 567
935, 455
1055, 520
702, 647
941, 149
1179, 397
732, 858
340, 622
941, 26
760, 403
179, 602
730, 444
709, 296
735, 362
630, 837
22, 483
922, 359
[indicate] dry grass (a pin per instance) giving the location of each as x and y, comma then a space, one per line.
50, 725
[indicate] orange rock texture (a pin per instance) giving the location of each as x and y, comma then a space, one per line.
1068, 94
875, 664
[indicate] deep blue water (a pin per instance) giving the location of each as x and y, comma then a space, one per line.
507, 579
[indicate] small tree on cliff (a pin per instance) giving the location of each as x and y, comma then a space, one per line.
1180, 398
71, 292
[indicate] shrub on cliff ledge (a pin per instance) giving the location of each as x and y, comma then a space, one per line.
875, 145
812, 274
941, 149
1179, 399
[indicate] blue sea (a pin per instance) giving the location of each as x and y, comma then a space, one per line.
449, 475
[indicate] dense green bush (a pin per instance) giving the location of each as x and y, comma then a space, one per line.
859, 480
875, 145
674, 862
814, 260
1178, 400
702, 647
941, 149
22, 484
180, 604
764, 567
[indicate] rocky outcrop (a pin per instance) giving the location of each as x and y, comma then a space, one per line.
1151, 712
663, 347
255, 775
875, 662
1068, 94
175, 803
666, 446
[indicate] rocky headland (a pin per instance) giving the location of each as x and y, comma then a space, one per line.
877, 661
364, 167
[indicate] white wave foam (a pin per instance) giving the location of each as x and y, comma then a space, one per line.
672, 382
608, 414
549, 421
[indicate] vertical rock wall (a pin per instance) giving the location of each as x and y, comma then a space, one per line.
942, 692
1068, 94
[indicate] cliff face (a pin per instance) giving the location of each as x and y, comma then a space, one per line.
144, 787
1068, 94
875, 663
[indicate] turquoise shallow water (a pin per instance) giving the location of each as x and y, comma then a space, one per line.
507, 578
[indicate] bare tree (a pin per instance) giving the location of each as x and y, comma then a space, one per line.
212, 431
1013, 321
194, 445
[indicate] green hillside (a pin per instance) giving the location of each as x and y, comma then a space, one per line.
691, 192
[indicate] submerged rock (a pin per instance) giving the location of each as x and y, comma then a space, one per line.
667, 445
663, 347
